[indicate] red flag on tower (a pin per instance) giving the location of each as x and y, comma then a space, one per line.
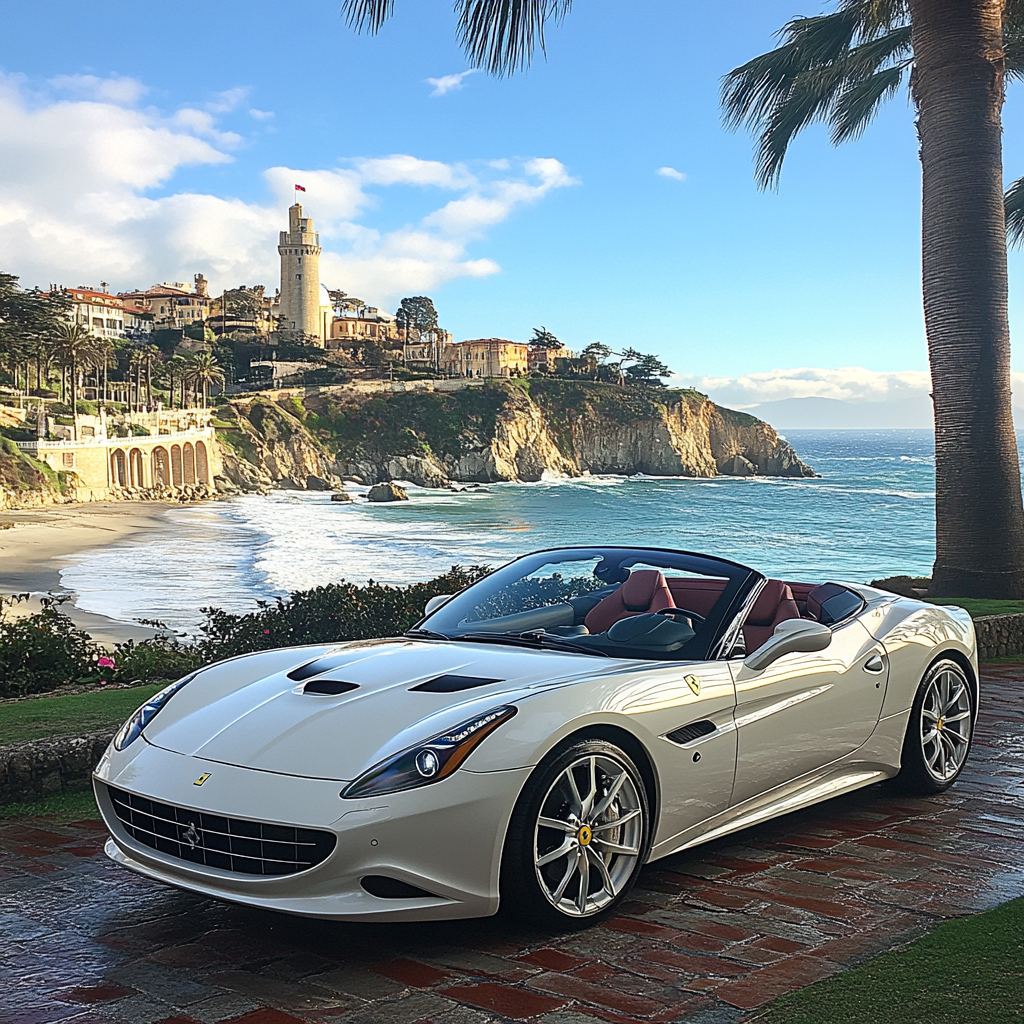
300, 188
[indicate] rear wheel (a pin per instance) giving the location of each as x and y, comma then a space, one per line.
940, 730
578, 837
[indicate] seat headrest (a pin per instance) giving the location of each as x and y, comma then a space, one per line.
819, 595
639, 590
768, 601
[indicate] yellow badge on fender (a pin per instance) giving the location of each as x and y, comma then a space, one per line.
202, 778
693, 682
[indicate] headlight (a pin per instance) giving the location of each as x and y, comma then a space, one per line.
132, 729
428, 762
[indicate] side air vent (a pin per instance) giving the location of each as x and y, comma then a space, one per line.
691, 732
329, 686
392, 889
452, 684
315, 668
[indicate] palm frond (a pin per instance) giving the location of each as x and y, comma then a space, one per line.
857, 106
501, 36
1013, 39
367, 15
835, 68
1014, 203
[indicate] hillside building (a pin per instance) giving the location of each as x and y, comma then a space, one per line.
299, 249
172, 305
486, 357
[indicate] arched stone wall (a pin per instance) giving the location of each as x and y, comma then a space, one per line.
202, 464
135, 468
188, 457
118, 468
161, 466
176, 477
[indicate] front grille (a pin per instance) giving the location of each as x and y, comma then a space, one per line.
233, 844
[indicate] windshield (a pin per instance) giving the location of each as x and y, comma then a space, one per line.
618, 602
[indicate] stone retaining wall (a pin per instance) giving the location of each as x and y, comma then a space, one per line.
39, 768
999, 636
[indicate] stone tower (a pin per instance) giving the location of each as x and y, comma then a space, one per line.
300, 275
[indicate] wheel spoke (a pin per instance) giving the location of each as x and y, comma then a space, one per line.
583, 894
602, 870
588, 800
575, 790
929, 737
955, 700
566, 878
615, 824
606, 802
630, 851
561, 851
560, 826
928, 713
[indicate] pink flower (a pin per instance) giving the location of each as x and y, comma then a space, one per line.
266, 631
103, 682
106, 663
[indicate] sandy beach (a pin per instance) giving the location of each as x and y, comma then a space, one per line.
35, 545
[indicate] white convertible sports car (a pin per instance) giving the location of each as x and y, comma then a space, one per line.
535, 739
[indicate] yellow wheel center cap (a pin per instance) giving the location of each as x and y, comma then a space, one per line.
939, 724
584, 835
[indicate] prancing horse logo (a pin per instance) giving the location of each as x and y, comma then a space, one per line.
192, 836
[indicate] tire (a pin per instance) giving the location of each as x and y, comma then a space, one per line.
933, 758
566, 874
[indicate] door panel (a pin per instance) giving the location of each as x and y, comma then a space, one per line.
806, 710
664, 702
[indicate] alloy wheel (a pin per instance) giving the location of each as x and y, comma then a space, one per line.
588, 835
946, 724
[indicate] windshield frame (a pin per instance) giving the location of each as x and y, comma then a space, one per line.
704, 646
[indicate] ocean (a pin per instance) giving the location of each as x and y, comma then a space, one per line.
870, 514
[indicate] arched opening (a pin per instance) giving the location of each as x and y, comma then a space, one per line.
135, 467
188, 457
118, 468
175, 465
202, 464
161, 463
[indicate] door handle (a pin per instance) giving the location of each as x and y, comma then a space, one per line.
874, 664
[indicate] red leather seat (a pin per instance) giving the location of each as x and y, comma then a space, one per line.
774, 604
644, 591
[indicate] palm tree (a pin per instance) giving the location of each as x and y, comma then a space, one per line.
170, 370
204, 373
839, 68
75, 345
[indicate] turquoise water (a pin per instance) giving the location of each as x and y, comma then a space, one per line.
871, 514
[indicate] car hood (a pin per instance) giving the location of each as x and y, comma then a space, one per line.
271, 724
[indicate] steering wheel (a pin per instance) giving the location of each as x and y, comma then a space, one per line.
695, 619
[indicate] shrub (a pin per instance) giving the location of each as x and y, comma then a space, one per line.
44, 651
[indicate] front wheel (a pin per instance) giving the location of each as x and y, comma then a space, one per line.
578, 837
939, 732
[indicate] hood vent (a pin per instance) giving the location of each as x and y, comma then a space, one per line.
315, 668
452, 684
329, 686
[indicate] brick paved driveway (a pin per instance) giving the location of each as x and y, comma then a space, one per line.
707, 935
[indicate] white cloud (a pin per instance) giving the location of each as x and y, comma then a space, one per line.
84, 196
261, 115
107, 90
448, 83
228, 100
845, 384
671, 172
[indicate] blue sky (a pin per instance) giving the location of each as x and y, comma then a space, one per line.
719, 279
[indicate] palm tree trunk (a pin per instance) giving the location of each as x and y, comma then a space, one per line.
73, 375
958, 88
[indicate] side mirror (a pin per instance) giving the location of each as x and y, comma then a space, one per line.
801, 635
436, 602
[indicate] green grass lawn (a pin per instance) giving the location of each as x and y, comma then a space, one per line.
69, 716
968, 971
981, 605
62, 806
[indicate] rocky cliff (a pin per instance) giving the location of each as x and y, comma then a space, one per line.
515, 430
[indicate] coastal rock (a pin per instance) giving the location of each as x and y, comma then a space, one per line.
737, 465
386, 492
341, 496
317, 483
736, 433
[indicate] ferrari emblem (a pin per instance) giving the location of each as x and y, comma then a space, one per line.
202, 778
585, 835
192, 836
693, 682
